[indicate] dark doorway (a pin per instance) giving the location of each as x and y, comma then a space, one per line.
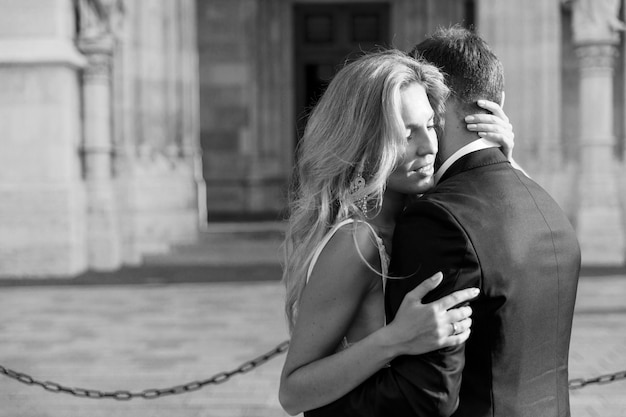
326, 35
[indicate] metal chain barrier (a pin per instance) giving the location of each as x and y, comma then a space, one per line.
602, 379
147, 394
219, 378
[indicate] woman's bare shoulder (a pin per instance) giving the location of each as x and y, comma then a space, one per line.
353, 246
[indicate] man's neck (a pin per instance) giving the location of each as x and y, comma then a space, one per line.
457, 141
474, 146
455, 137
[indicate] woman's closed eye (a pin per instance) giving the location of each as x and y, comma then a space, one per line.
430, 126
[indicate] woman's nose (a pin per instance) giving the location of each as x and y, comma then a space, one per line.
427, 144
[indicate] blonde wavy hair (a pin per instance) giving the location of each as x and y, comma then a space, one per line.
355, 128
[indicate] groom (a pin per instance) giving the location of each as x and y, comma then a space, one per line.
486, 225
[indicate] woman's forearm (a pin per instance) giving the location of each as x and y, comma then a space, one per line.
323, 381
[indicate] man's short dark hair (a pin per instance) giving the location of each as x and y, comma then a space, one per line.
472, 71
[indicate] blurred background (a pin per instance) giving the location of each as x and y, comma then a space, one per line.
129, 126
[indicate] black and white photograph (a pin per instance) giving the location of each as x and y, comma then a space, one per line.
314, 208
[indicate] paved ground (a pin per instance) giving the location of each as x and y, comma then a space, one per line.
208, 308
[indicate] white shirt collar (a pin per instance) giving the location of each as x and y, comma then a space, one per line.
474, 146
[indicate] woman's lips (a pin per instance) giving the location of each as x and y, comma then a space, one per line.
426, 170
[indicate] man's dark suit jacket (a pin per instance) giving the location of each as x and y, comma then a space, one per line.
484, 225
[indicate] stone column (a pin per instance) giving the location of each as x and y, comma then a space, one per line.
103, 238
41, 190
600, 218
157, 143
190, 105
125, 128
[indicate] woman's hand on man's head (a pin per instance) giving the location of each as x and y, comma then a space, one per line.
494, 127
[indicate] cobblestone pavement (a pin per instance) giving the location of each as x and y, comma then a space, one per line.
135, 337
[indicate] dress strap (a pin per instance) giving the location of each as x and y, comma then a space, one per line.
322, 245
384, 257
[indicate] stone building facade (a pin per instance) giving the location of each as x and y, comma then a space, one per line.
100, 160
126, 124
262, 62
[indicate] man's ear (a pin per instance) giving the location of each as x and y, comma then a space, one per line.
502, 100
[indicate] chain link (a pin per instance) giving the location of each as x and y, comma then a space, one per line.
219, 378
602, 379
148, 394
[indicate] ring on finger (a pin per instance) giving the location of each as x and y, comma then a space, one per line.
454, 329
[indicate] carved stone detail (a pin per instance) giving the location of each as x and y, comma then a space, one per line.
596, 55
596, 21
98, 68
98, 18
99, 23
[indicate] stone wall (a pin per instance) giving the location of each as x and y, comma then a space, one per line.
234, 117
42, 223
100, 160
